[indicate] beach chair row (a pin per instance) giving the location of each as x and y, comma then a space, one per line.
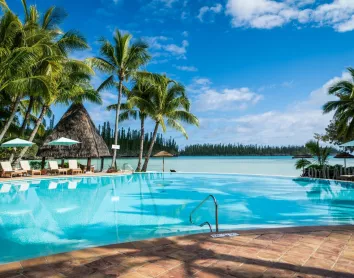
9, 171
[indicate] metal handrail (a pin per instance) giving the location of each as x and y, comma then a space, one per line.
216, 213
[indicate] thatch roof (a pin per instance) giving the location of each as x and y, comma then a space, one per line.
75, 124
163, 154
344, 155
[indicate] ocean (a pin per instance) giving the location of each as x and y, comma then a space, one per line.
261, 165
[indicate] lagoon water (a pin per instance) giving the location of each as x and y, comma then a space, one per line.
263, 165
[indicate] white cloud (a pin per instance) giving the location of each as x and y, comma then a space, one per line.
185, 34
177, 50
206, 9
267, 14
296, 124
228, 99
187, 68
163, 44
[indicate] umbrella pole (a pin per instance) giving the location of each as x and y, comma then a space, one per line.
163, 164
102, 163
88, 164
43, 163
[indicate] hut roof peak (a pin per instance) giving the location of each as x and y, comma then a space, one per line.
75, 124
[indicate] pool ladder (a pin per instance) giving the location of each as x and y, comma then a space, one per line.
216, 214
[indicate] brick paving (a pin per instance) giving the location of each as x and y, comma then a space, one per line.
288, 252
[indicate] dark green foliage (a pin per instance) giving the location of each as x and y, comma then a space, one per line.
129, 141
36, 165
240, 149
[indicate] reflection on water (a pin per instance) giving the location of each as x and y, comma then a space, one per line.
50, 216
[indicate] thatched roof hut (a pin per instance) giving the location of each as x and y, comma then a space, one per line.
75, 124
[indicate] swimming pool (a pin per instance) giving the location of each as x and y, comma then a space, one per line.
48, 216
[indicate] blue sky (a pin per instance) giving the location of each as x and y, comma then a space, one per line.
256, 71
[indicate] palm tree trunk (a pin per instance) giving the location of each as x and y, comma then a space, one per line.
146, 162
11, 118
27, 115
114, 162
34, 132
142, 134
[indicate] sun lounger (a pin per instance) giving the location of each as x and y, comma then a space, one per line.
73, 168
26, 167
54, 168
8, 171
347, 177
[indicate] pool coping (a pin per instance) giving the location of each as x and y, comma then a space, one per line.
44, 177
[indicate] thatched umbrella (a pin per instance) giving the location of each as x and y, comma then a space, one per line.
77, 125
163, 154
345, 156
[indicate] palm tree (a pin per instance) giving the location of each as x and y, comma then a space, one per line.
73, 87
343, 107
142, 90
17, 60
168, 105
121, 61
321, 153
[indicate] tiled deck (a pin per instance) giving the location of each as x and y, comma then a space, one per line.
290, 252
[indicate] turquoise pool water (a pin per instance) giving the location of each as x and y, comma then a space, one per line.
42, 217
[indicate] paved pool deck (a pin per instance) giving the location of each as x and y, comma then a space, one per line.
286, 252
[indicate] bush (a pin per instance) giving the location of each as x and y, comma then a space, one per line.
36, 165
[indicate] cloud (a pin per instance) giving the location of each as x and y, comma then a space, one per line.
294, 125
164, 46
206, 9
177, 50
187, 68
268, 14
207, 98
227, 99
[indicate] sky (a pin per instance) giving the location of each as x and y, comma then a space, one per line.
256, 71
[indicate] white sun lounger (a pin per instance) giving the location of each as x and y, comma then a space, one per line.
26, 167
8, 171
73, 168
54, 168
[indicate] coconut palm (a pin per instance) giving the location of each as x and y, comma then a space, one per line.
168, 105
121, 61
142, 90
343, 107
321, 153
73, 87
17, 60
49, 48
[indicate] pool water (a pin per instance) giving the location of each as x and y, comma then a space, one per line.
48, 216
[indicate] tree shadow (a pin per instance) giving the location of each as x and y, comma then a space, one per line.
190, 256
